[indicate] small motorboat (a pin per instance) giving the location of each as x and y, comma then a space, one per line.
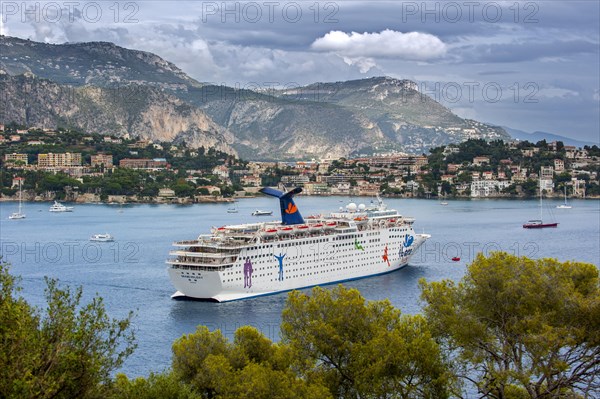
58, 207
262, 213
455, 259
102, 238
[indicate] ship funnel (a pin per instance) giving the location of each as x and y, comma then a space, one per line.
289, 211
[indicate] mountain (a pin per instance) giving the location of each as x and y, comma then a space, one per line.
404, 115
336, 119
267, 127
141, 111
319, 120
549, 137
97, 63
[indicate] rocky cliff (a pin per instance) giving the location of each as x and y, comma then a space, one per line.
139, 111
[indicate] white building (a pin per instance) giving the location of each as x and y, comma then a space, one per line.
485, 188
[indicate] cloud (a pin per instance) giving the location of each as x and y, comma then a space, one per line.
364, 64
530, 50
381, 38
386, 44
556, 92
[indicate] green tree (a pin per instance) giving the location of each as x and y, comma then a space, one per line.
183, 189
68, 351
530, 188
446, 188
362, 350
251, 367
156, 386
521, 328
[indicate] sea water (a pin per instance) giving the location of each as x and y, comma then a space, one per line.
130, 273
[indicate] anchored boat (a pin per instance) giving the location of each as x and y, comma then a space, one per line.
253, 259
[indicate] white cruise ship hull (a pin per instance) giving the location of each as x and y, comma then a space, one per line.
305, 262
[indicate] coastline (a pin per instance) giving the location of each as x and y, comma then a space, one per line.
119, 200
209, 199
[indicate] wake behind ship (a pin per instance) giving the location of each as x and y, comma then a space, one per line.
248, 260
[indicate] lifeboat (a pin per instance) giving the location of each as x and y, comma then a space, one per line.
315, 227
302, 228
285, 230
219, 230
269, 232
329, 225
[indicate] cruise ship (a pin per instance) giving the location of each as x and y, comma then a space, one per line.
248, 260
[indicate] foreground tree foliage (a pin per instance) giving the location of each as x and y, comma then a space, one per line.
251, 367
335, 345
156, 386
360, 349
521, 328
67, 351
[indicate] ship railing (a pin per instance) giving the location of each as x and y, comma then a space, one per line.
210, 249
205, 260
228, 244
215, 255
186, 243
191, 262
199, 268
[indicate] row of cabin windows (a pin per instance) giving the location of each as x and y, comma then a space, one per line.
352, 266
295, 243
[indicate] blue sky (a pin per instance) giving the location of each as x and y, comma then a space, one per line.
529, 65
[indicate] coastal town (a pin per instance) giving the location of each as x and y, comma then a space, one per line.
75, 166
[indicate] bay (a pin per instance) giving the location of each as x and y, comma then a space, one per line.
130, 273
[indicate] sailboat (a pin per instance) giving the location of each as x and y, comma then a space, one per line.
565, 205
538, 223
19, 214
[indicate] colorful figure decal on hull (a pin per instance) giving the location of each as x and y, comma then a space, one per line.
385, 256
405, 250
248, 273
280, 259
357, 245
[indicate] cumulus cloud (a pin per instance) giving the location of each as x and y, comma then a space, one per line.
386, 44
364, 64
